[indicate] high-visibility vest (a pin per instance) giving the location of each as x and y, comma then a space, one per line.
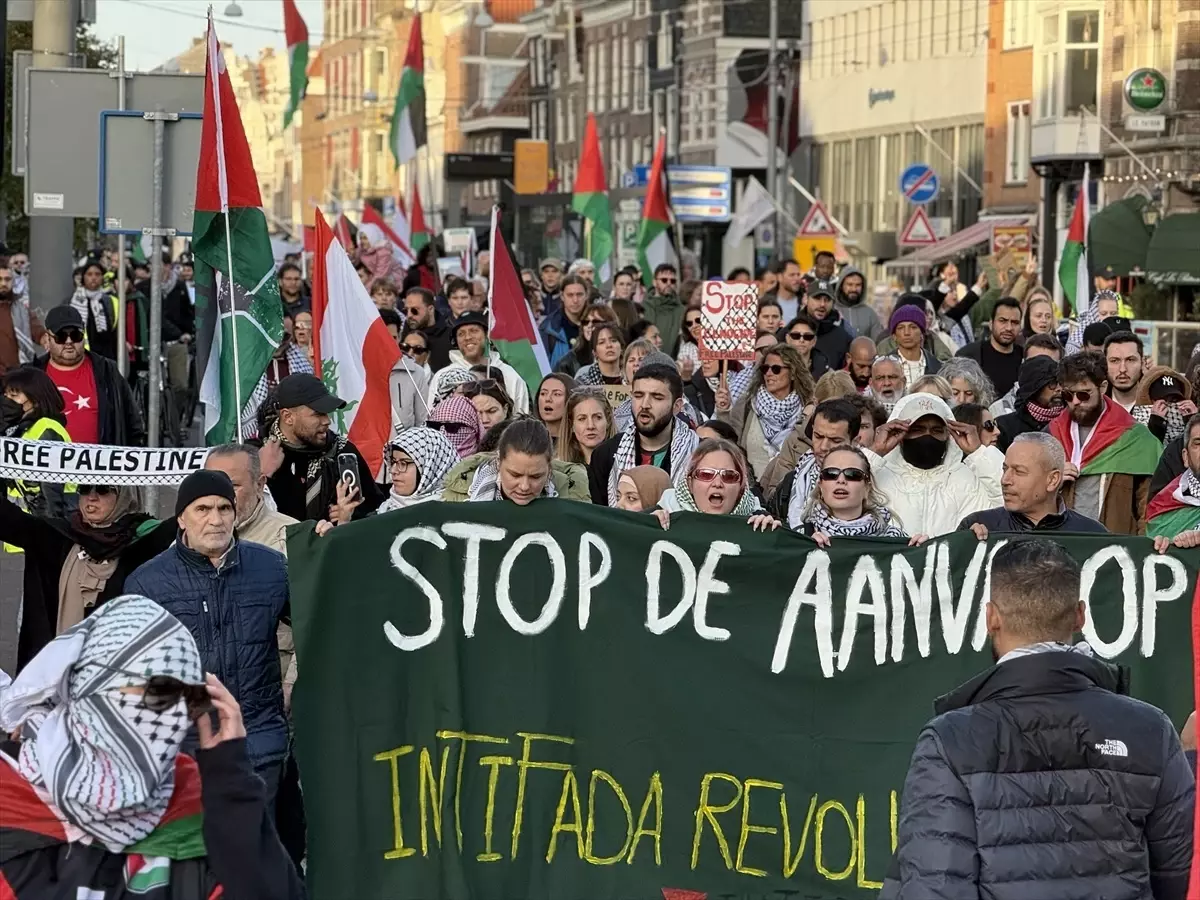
18, 490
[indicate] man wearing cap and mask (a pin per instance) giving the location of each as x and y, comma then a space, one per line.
1164, 403
470, 349
231, 595
932, 468
307, 483
98, 402
1037, 401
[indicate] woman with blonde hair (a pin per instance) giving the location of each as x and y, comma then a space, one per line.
834, 384
587, 423
933, 384
774, 403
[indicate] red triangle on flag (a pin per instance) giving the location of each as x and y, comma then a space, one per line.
918, 232
817, 222
294, 30
590, 179
510, 318
416, 215
656, 207
681, 894
414, 56
225, 177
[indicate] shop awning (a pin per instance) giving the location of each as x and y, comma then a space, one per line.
957, 243
1173, 256
1118, 237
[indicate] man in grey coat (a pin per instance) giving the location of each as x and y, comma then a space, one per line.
1040, 778
851, 302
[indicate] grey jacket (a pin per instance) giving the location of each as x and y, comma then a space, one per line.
859, 313
1039, 780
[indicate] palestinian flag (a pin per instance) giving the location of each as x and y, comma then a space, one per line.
512, 329
353, 353
238, 311
416, 222
591, 201
1118, 444
371, 220
347, 234
408, 115
654, 243
1073, 264
296, 34
1170, 513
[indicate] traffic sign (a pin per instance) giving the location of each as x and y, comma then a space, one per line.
817, 222
919, 183
919, 231
701, 193
126, 146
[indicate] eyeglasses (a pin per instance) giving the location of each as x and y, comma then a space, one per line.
402, 465
1081, 396
850, 474
163, 691
68, 334
414, 349
100, 490
775, 369
802, 336
448, 427
595, 322
727, 476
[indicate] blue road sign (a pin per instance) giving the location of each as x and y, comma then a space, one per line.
641, 175
919, 183
701, 193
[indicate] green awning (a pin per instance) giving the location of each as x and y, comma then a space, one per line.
1118, 236
1174, 254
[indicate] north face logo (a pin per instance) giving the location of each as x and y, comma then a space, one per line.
1111, 747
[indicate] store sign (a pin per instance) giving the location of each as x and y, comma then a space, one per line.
1146, 123
1145, 89
874, 96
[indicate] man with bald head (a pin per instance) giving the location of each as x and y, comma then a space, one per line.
887, 381
861, 356
1032, 479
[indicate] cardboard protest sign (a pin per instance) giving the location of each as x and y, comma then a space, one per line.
1011, 245
563, 701
728, 320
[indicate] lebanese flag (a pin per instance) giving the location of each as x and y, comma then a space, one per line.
401, 252
654, 243
513, 331
416, 221
353, 353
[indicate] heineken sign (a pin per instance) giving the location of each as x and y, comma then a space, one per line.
1145, 89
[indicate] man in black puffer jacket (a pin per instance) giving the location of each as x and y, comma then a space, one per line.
1039, 779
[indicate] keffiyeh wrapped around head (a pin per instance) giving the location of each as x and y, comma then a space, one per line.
105, 760
456, 418
449, 379
434, 456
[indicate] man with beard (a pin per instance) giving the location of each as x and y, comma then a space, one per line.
789, 287
833, 334
1173, 516
887, 381
862, 356
1005, 783
851, 303
178, 327
1123, 356
931, 483
1110, 455
307, 484
656, 437
1037, 401
20, 329
1033, 470
998, 354
470, 342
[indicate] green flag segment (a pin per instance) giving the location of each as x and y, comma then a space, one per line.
408, 114
591, 201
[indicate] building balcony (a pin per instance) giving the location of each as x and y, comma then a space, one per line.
1064, 139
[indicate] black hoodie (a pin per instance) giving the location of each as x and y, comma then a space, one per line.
1035, 374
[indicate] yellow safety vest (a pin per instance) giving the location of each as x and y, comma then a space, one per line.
19, 490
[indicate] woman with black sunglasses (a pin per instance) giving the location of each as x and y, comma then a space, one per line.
76, 563
31, 407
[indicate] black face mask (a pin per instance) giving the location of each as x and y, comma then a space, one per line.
925, 452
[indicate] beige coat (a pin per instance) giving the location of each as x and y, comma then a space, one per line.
751, 438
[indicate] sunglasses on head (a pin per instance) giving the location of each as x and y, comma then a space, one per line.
475, 388
163, 691
802, 336
68, 334
100, 490
1081, 396
727, 476
850, 474
775, 369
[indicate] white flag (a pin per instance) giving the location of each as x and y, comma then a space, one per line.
755, 207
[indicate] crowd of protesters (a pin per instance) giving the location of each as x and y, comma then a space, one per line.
959, 408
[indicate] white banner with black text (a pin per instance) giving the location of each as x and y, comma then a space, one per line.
64, 463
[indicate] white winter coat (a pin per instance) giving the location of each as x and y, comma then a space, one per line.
514, 385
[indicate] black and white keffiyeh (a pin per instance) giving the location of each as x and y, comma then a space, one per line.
877, 524
102, 759
683, 443
1176, 423
486, 483
807, 470
589, 376
1087, 317
1188, 489
434, 456
95, 302
776, 416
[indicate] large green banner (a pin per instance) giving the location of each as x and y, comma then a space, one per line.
562, 702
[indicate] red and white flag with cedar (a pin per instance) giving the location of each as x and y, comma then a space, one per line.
353, 353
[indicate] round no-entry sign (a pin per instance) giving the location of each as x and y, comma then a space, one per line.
919, 183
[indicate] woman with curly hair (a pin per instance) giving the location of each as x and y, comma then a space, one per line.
968, 383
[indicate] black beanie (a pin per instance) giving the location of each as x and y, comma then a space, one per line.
203, 483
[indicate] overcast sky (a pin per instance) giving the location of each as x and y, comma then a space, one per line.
156, 30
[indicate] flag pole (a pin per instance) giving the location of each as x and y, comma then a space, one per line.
487, 338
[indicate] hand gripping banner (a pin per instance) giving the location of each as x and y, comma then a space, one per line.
63, 463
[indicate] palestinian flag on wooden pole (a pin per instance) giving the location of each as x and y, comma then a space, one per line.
238, 311
1073, 264
408, 115
416, 221
353, 353
654, 243
591, 201
296, 34
511, 325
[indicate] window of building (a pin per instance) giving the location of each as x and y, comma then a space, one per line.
641, 79
1046, 75
672, 120
622, 71
1016, 157
571, 130
659, 115
941, 26
665, 57
641, 9
590, 75
866, 178
560, 129
1081, 60
1018, 23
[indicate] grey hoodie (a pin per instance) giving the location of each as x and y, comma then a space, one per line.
860, 315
